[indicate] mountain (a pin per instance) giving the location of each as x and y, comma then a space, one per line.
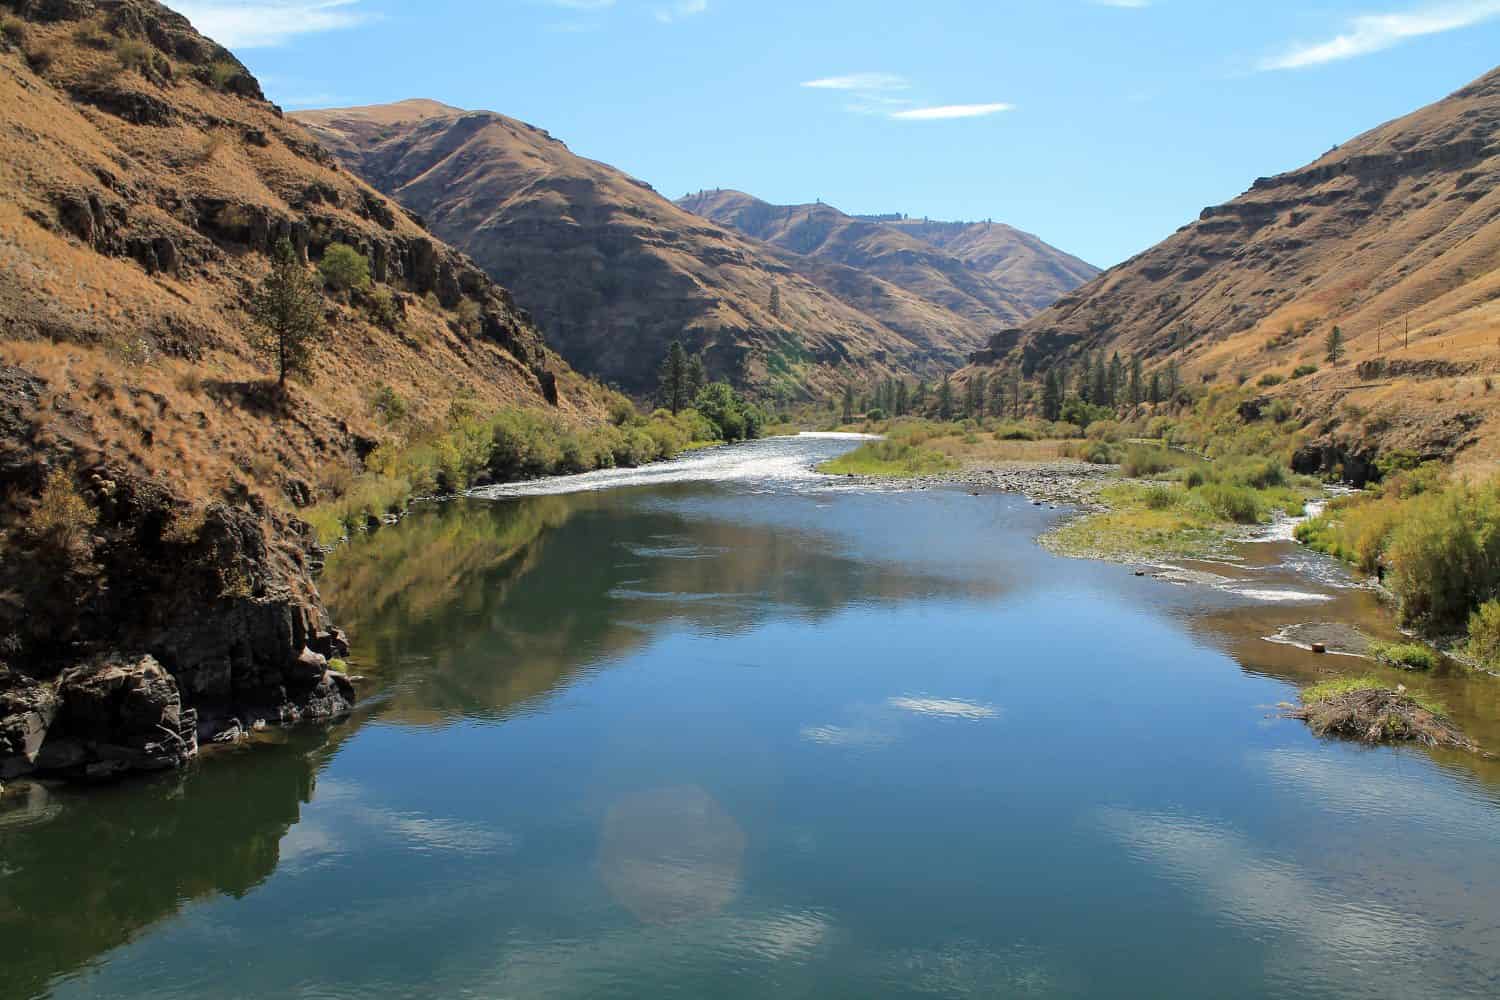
150, 476
988, 274
614, 272
1396, 230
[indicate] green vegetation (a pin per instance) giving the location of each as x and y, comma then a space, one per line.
889, 458
288, 311
1406, 655
1335, 346
1271, 379
12, 32
1331, 690
344, 268
1302, 371
1484, 635
1436, 545
221, 73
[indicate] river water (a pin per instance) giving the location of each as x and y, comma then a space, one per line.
726, 728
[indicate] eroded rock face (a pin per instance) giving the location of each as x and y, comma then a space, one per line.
109, 716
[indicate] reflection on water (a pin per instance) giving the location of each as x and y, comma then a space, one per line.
732, 729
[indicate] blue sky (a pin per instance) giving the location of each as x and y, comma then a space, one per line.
1100, 125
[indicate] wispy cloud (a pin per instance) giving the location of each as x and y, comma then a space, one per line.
260, 24
885, 94
861, 82
680, 9
947, 112
1368, 33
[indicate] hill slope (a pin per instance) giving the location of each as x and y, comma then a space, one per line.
1396, 229
991, 275
149, 477
614, 272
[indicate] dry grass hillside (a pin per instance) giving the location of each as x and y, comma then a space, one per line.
1393, 237
1033, 272
144, 448
614, 272
988, 276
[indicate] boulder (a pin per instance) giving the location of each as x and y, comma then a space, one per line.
27, 710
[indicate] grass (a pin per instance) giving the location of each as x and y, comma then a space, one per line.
891, 458
1329, 690
1406, 655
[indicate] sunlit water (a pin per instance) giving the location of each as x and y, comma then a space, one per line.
730, 729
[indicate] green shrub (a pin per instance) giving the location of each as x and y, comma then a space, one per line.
1231, 503
221, 73
384, 311
389, 405
12, 32
1108, 431
1484, 634
1141, 461
1270, 379
1280, 411
1302, 371
1406, 655
1444, 555
1162, 497
344, 268
1016, 432
1195, 477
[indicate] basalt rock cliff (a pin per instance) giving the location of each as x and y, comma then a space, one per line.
156, 582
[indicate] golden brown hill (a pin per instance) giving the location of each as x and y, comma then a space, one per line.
149, 477
1396, 230
1034, 273
614, 272
988, 275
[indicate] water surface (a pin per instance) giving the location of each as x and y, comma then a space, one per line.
727, 728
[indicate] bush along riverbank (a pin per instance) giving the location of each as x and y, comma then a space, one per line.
522, 444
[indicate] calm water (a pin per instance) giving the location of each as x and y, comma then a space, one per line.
732, 730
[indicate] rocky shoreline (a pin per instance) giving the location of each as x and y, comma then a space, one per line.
1062, 482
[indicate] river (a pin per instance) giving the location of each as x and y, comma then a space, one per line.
725, 727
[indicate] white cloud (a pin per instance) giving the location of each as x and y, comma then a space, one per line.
259, 24
861, 82
947, 112
680, 9
1369, 33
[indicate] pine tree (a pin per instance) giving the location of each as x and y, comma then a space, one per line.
980, 394
776, 301
1335, 346
945, 400
1085, 386
288, 310
903, 401
1137, 390
919, 398
1052, 394
1099, 382
1155, 394
1116, 380
1015, 394
848, 403
672, 384
1174, 379
697, 377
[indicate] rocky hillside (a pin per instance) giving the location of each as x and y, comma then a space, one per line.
614, 272
154, 574
987, 274
1393, 237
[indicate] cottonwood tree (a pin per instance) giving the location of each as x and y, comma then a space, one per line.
288, 312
